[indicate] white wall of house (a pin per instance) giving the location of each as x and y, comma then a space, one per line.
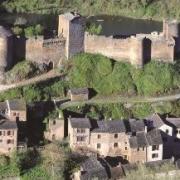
158, 154
167, 129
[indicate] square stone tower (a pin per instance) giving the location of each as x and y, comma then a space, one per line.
72, 28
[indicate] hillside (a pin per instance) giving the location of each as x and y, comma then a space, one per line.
135, 8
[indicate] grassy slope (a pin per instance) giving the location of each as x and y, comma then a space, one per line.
133, 8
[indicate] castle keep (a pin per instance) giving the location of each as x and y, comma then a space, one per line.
72, 39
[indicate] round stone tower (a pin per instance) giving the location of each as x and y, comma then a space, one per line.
6, 46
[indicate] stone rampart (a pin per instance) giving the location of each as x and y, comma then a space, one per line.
37, 49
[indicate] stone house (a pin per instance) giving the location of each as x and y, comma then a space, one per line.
80, 94
169, 128
8, 136
55, 130
16, 110
79, 132
91, 168
129, 139
109, 138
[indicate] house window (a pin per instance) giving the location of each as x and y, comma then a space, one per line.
115, 145
80, 139
115, 135
9, 133
125, 142
99, 136
125, 148
98, 146
0, 133
8, 141
155, 147
155, 155
167, 131
79, 130
125, 157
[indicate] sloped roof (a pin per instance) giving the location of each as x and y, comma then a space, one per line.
17, 104
79, 91
4, 32
156, 119
136, 125
143, 139
115, 126
174, 121
80, 122
93, 169
6, 124
138, 141
154, 137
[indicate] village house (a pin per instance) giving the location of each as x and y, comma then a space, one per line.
14, 115
80, 94
129, 139
91, 168
55, 130
8, 136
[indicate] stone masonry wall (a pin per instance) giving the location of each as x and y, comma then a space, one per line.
39, 50
136, 50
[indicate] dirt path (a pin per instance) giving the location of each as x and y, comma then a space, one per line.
49, 75
119, 99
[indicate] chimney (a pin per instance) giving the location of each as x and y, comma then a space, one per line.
8, 107
145, 128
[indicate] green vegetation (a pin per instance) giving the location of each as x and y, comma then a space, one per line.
51, 162
22, 70
94, 29
134, 8
29, 31
149, 173
122, 111
108, 77
37, 92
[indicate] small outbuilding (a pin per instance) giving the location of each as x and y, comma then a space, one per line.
80, 94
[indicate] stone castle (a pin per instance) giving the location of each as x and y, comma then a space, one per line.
73, 39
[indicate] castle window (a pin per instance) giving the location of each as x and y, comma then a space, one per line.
115, 145
167, 131
137, 149
142, 148
98, 146
99, 136
0, 133
1, 140
54, 122
14, 114
125, 148
9, 133
115, 135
